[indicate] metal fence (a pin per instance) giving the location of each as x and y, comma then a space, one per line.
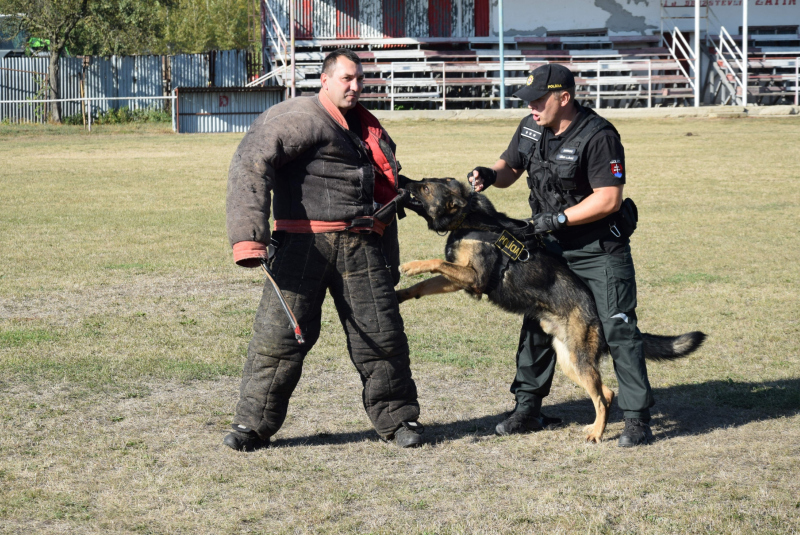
217, 109
115, 77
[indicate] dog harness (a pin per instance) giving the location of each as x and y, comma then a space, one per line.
511, 249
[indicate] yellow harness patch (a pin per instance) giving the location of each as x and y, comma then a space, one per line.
509, 245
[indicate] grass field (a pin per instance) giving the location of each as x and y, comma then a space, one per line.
124, 326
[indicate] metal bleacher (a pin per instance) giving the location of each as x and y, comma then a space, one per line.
773, 66
437, 73
627, 71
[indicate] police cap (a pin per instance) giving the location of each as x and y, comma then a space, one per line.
550, 77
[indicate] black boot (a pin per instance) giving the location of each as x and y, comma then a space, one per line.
526, 419
519, 422
636, 433
409, 435
244, 439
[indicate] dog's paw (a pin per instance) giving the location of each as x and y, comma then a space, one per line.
413, 268
592, 436
402, 295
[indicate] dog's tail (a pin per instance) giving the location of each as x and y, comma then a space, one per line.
671, 347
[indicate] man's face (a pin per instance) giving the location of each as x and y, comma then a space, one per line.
344, 84
547, 110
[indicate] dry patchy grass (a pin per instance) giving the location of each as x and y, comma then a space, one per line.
123, 328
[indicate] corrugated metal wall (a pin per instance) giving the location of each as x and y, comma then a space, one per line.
346, 19
439, 18
215, 110
363, 19
482, 18
416, 18
23, 78
370, 19
394, 18
189, 70
305, 19
230, 68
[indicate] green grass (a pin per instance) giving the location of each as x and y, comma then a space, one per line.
124, 326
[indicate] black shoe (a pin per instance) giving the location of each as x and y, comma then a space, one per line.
519, 422
636, 433
409, 435
244, 439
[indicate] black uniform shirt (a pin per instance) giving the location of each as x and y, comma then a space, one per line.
602, 162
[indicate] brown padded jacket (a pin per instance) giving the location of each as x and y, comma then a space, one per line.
314, 167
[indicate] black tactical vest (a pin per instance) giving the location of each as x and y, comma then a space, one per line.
552, 180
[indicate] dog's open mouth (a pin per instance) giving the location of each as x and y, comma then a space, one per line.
412, 203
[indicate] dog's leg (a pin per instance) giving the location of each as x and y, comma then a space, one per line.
432, 286
462, 276
586, 375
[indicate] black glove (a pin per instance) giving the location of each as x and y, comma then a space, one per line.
489, 176
548, 222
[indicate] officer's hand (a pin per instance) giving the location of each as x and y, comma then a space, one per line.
545, 222
482, 177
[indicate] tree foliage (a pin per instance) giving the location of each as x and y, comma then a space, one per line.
126, 27
94, 26
194, 26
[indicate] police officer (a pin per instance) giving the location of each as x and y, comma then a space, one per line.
576, 173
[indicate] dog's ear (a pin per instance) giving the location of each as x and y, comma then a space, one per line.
455, 203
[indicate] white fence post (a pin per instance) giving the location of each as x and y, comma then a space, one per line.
391, 86
597, 104
796, 80
649, 83
444, 87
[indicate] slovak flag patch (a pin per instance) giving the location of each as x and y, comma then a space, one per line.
616, 168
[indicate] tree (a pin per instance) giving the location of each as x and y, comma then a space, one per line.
194, 26
102, 26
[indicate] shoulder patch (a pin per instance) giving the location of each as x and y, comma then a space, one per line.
616, 168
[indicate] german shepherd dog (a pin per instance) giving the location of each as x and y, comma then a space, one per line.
537, 284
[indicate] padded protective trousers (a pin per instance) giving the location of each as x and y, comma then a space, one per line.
611, 279
353, 268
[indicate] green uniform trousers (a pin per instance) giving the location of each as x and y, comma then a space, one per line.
606, 267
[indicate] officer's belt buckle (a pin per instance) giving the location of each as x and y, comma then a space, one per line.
615, 231
361, 225
512, 247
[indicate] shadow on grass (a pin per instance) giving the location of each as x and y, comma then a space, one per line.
680, 410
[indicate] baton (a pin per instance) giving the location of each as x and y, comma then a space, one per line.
298, 334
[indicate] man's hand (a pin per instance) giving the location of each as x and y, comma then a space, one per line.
548, 222
482, 177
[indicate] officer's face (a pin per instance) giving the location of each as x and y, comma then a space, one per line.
551, 109
546, 111
344, 84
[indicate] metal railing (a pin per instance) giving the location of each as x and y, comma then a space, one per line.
680, 44
281, 47
277, 71
618, 67
87, 103
417, 66
729, 46
797, 81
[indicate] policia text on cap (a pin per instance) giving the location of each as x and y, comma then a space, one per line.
575, 163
